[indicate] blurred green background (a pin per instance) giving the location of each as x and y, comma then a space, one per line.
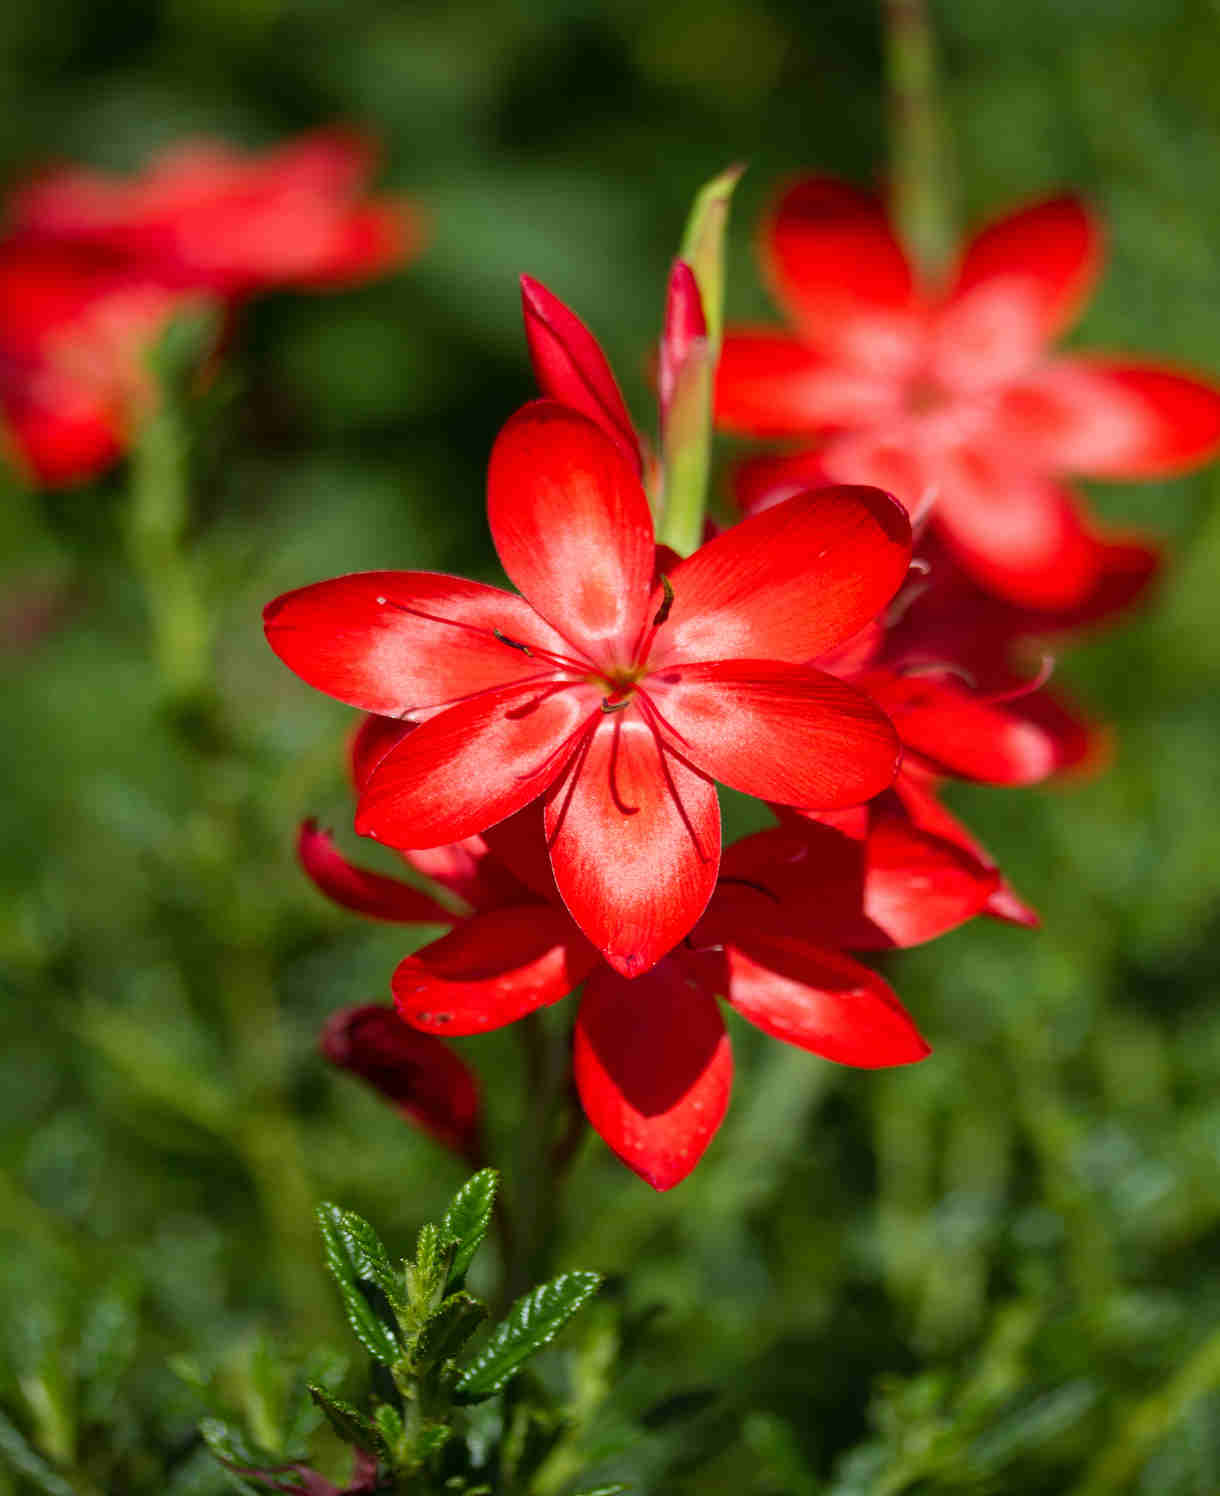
995, 1272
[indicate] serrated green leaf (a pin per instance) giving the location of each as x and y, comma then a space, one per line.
428, 1274
429, 1438
348, 1422
388, 1422
348, 1262
467, 1220
368, 1256
448, 1329
532, 1322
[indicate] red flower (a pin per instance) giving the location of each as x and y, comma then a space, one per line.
616, 696
74, 338
948, 397
204, 215
420, 1075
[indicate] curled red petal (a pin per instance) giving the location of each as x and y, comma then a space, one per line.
634, 834
473, 765
822, 1001
653, 1068
1053, 248
573, 528
782, 732
397, 642
492, 970
788, 583
570, 366
359, 889
431, 1085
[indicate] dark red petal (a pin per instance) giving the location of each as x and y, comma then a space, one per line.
519, 843
430, 1085
1019, 534
1111, 418
782, 732
771, 384
635, 842
472, 765
573, 528
960, 733
570, 366
788, 583
1052, 248
492, 970
396, 642
833, 260
356, 888
654, 1069
822, 1001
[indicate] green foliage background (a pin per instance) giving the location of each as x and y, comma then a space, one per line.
995, 1272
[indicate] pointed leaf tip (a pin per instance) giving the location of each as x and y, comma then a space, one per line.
467, 1219
532, 1322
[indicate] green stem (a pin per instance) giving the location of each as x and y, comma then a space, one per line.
919, 163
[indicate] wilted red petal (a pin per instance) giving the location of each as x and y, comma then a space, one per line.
782, 732
424, 1078
960, 733
570, 366
394, 642
788, 583
834, 262
492, 970
823, 1001
472, 765
1111, 418
357, 888
573, 528
635, 842
653, 1067
772, 384
1019, 533
1052, 247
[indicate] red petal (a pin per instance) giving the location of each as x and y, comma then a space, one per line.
397, 642
822, 1001
430, 1085
471, 766
788, 583
520, 844
962, 734
1111, 419
782, 732
685, 327
571, 368
759, 482
1019, 534
771, 384
635, 842
492, 970
356, 888
1053, 248
573, 528
835, 263
370, 743
654, 1068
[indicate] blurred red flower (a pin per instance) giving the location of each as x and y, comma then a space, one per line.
947, 396
616, 694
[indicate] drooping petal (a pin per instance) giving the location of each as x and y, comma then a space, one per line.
492, 970
836, 265
1052, 247
431, 1085
782, 732
634, 834
1018, 533
395, 642
1111, 418
472, 765
361, 890
519, 843
771, 384
822, 1001
570, 366
573, 528
653, 1068
788, 583
960, 733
